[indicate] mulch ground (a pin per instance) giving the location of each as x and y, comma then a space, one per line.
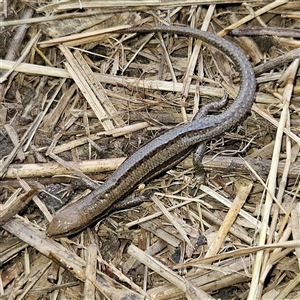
77, 98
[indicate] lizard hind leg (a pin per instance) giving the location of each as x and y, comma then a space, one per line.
200, 176
199, 172
203, 111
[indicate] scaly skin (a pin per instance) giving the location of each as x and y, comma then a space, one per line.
165, 151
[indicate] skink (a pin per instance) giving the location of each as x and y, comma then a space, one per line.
166, 150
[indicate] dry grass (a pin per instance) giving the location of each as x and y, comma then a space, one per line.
76, 98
